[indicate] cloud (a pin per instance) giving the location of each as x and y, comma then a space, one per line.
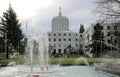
38, 14
77, 14
28, 8
81, 13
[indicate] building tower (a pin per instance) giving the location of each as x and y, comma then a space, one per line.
60, 23
62, 41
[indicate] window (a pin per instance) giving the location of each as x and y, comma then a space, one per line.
102, 27
76, 34
54, 51
69, 34
108, 41
80, 35
65, 51
54, 39
54, 34
64, 34
102, 34
81, 46
76, 39
49, 39
76, 45
108, 27
59, 34
108, 34
115, 27
49, 34
109, 48
64, 39
115, 41
59, 39
59, 51
116, 33
69, 39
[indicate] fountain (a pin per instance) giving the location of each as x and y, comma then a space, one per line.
81, 60
110, 63
12, 63
42, 64
37, 65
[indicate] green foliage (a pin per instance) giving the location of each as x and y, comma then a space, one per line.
67, 61
10, 27
81, 28
97, 32
98, 43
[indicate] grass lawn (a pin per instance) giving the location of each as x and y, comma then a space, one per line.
3, 60
70, 60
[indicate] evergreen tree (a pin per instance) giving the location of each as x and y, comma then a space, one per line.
11, 29
97, 38
81, 29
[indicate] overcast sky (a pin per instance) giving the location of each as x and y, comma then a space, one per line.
38, 13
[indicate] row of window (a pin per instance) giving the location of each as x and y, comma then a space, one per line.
61, 39
109, 27
61, 34
112, 41
109, 34
59, 45
114, 34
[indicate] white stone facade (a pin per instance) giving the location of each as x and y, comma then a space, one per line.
61, 37
1, 34
109, 36
60, 40
109, 29
87, 35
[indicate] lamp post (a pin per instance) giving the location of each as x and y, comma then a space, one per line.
1, 48
5, 46
18, 48
112, 34
101, 43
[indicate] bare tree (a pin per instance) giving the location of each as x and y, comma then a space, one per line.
108, 8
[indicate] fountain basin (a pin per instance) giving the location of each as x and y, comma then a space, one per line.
32, 76
64, 71
38, 68
107, 69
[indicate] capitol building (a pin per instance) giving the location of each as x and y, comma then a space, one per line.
61, 39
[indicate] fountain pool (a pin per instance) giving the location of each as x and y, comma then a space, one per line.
64, 71
43, 69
